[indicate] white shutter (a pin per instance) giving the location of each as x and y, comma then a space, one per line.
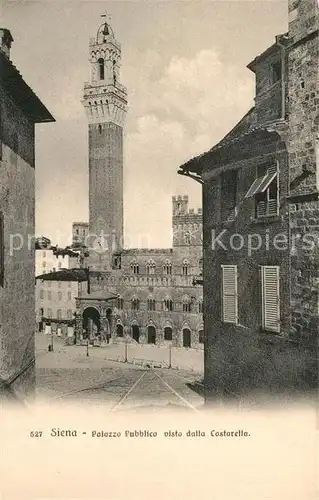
270, 298
229, 294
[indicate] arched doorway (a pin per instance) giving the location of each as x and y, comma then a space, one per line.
151, 334
91, 322
136, 333
186, 337
119, 330
168, 333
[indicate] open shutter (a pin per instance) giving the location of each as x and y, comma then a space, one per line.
229, 294
270, 298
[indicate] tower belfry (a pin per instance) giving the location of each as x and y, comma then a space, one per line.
105, 102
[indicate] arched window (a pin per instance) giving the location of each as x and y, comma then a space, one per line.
101, 68
187, 305
49, 313
167, 267
187, 238
135, 304
135, 267
201, 336
150, 267
168, 304
185, 267
69, 314
119, 303
151, 305
59, 314
168, 334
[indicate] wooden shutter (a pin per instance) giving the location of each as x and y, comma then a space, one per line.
229, 294
1, 250
270, 298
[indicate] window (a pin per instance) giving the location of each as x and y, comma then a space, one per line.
168, 305
201, 337
229, 294
185, 267
41, 294
276, 71
44, 264
150, 267
120, 303
49, 296
101, 68
167, 268
135, 304
59, 314
69, 296
187, 306
59, 295
1, 250
69, 314
151, 305
59, 265
229, 195
135, 267
200, 307
49, 284
265, 191
187, 238
270, 298
49, 313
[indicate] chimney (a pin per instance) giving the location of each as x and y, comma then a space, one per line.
5, 41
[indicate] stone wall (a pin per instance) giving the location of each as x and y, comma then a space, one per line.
17, 304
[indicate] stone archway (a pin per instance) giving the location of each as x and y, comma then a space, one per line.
91, 322
168, 333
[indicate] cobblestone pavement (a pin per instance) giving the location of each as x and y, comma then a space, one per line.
67, 374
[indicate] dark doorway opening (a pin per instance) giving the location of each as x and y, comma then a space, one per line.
119, 330
186, 337
151, 335
135, 333
168, 334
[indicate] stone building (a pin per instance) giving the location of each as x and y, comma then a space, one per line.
56, 294
261, 221
20, 110
51, 258
80, 231
144, 295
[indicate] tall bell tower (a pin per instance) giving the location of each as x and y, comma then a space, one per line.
105, 102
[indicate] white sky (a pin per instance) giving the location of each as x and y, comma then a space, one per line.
184, 65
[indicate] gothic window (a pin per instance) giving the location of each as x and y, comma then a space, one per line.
120, 303
167, 267
135, 267
150, 267
151, 305
100, 132
200, 307
185, 267
135, 304
168, 305
187, 238
187, 305
101, 68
